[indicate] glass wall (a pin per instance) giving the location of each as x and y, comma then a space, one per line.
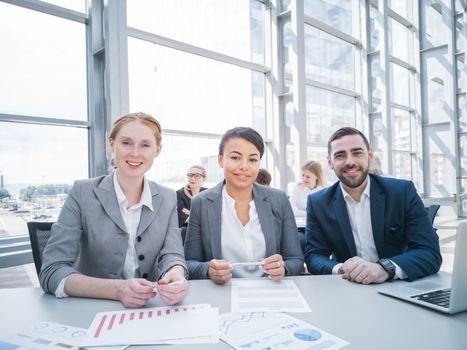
201, 70
43, 117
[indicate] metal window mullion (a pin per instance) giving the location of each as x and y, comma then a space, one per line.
27, 119
195, 50
455, 79
402, 20
386, 115
331, 30
298, 86
98, 118
50, 9
332, 88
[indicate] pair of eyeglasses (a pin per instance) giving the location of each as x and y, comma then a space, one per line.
196, 176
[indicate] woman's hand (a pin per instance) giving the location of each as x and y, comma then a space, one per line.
219, 271
135, 292
173, 287
274, 266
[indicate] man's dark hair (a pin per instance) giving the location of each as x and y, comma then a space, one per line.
346, 131
248, 134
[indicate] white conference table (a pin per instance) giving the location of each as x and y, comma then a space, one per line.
355, 313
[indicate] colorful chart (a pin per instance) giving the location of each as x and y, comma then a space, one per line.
307, 334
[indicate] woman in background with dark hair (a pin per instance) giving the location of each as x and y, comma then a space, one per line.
238, 228
264, 177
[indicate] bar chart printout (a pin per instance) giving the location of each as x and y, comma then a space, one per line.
267, 330
162, 325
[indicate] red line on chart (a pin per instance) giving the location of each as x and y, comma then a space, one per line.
111, 323
167, 312
141, 314
159, 313
122, 318
150, 314
99, 328
132, 316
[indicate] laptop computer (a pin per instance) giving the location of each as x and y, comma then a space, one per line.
442, 292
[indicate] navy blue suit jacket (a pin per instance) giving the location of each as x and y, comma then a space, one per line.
401, 229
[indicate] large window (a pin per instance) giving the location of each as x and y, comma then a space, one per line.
43, 112
200, 70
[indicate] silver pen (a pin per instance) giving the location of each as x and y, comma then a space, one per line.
248, 263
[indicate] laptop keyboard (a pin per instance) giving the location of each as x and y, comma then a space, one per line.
437, 297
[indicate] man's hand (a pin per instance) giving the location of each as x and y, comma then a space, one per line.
361, 271
219, 271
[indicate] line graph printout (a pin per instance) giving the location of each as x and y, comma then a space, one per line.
267, 330
262, 295
161, 325
49, 336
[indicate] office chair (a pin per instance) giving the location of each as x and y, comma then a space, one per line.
431, 212
39, 234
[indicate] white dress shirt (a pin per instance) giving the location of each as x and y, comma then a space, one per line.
360, 223
131, 218
241, 243
299, 198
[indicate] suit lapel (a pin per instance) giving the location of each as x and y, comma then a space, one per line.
214, 212
343, 219
105, 192
378, 208
264, 210
148, 215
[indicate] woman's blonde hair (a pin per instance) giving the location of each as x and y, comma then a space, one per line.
315, 167
144, 118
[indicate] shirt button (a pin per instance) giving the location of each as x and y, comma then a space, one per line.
145, 275
141, 257
138, 238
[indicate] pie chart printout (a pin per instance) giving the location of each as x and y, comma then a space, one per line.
307, 334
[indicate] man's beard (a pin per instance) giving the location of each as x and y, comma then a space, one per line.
354, 183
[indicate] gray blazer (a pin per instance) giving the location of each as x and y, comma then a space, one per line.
203, 239
91, 227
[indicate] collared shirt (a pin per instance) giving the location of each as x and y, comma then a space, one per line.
241, 243
360, 223
131, 218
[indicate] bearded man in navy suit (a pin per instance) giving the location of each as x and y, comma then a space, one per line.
369, 228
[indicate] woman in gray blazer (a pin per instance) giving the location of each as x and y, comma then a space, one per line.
239, 228
117, 234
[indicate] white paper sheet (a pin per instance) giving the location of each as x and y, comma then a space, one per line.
50, 336
185, 324
263, 330
264, 295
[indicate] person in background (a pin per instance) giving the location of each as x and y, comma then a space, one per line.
369, 228
375, 166
196, 176
239, 221
117, 235
264, 177
312, 181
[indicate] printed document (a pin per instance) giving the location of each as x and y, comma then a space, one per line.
49, 336
183, 324
263, 295
263, 330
